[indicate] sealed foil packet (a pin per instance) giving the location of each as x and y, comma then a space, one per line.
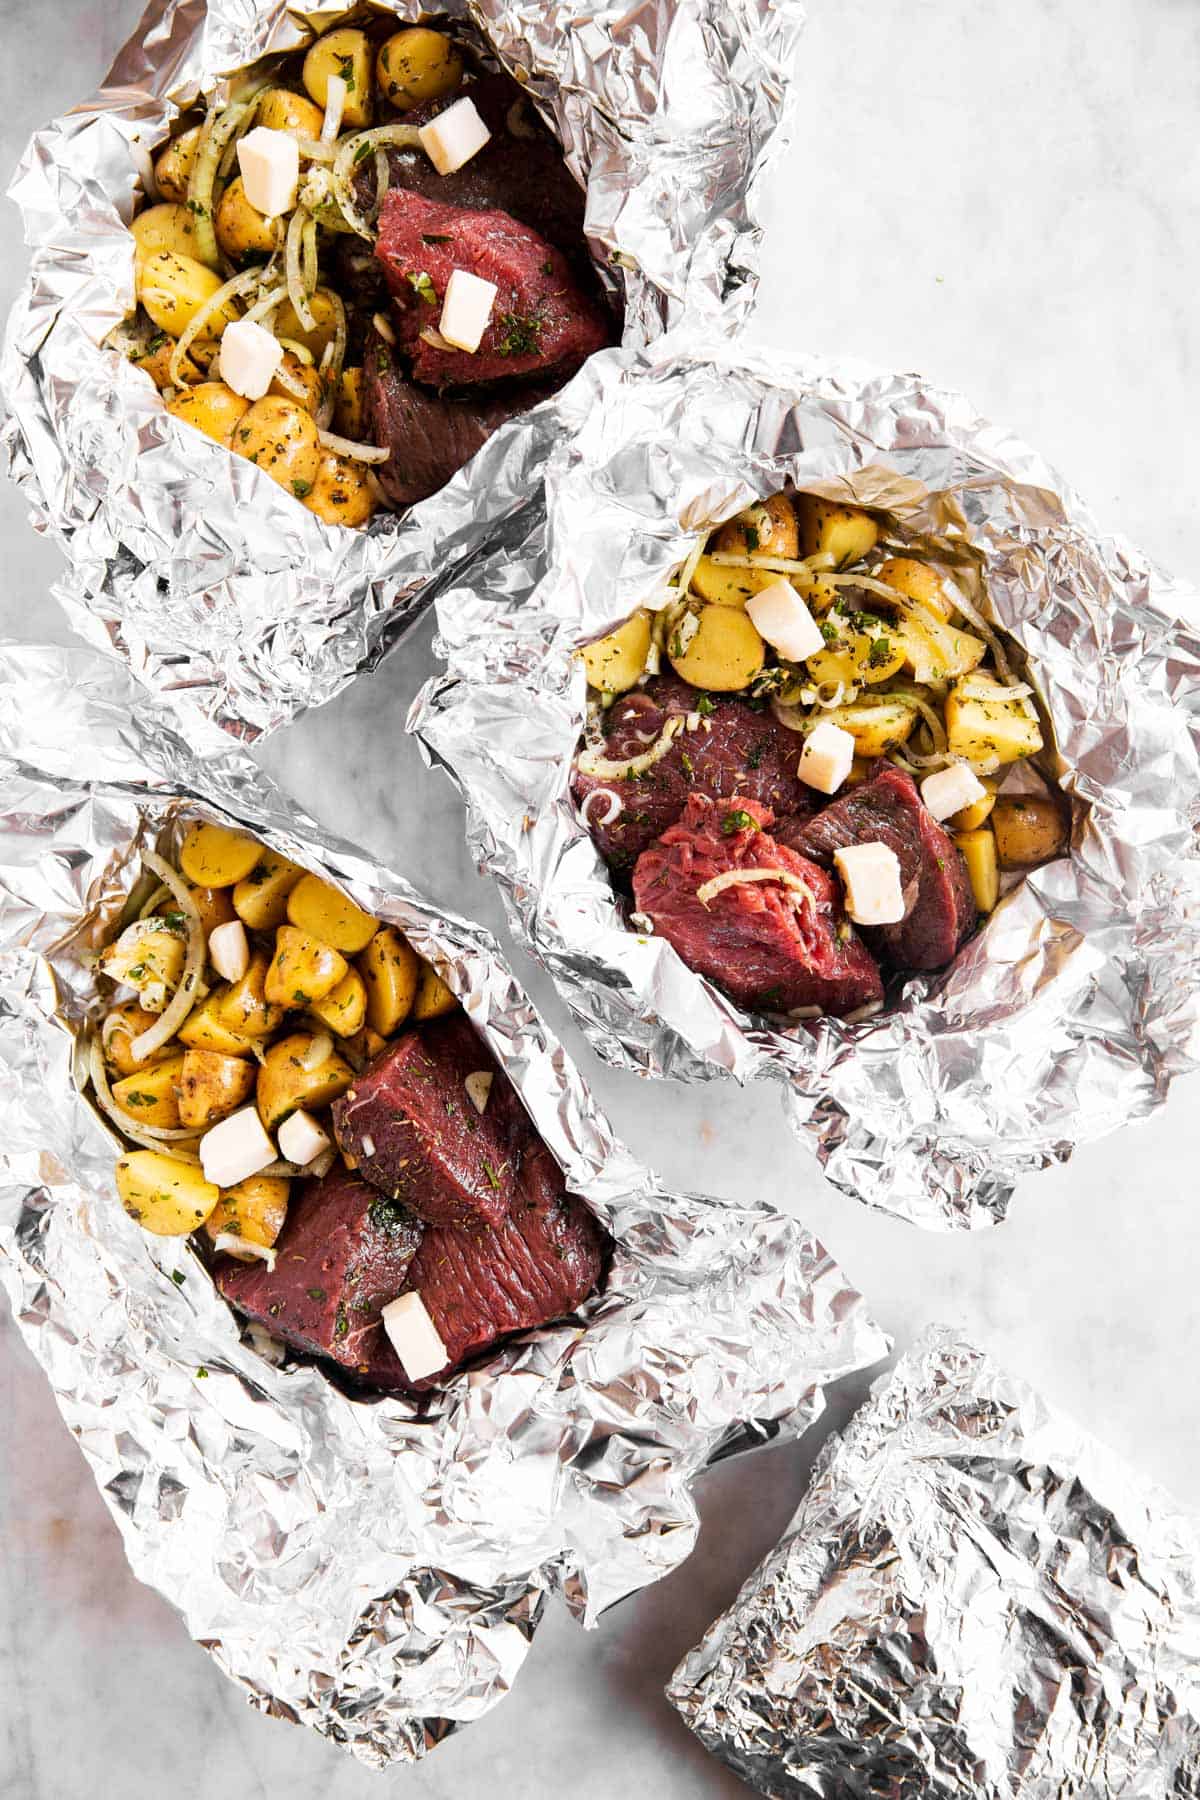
975, 1601
196, 569
374, 1568
1071, 1012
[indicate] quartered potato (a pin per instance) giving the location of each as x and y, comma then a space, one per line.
326, 913
174, 165
281, 110
972, 817
165, 227
417, 65
345, 52
857, 658
434, 999
876, 726
1028, 829
614, 663
254, 1209
243, 1006
935, 651
211, 407
164, 1194
917, 581
979, 854
211, 1086
260, 898
303, 969
280, 438
768, 528
306, 373
723, 655
391, 971
343, 1009
203, 1029
341, 493
844, 533
286, 1082
982, 723
152, 1095
213, 856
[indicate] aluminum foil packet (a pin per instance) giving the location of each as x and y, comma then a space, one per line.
373, 1568
191, 565
1075, 1007
975, 1601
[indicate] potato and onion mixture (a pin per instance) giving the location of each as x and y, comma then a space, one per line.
238, 322
246, 995
805, 605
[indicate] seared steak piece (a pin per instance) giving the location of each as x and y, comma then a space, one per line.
772, 944
937, 889
412, 1129
344, 1252
431, 435
479, 1284
542, 322
735, 749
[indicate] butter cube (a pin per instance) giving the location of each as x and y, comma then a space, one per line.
454, 137
949, 790
783, 619
270, 165
871, 876
235, 1149
826, 757
414, 1337
466, 309
301, 1139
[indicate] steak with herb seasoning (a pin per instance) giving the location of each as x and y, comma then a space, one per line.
479, 1284
772, 944
735, 748
887, 809
542, 322
412, 1130
344, 1251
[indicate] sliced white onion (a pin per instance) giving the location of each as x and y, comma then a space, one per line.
335, 106
608, 769
245, 1249
292, 247
972, 690
975, 618
185, 996
366, 453
708, 890
861, 1013
291, 384
267, 303
616, 806
383, 326
157, 893
229, 290
300, 351
352, 150
332, 359
308, 254
316, 149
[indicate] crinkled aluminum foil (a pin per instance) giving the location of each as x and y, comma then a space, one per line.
369, 1568
1073, 1010
975, 1601
190, 564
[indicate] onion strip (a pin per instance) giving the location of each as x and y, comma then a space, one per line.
616, 806
335, 106
184, 997
219, 127
973, 617
332, 360
150, 1137
269, 301
291, 262
354, 149
230, 290
708, 890
611, 770
366, 453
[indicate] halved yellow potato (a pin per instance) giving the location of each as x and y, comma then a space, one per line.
857, 658
391, 969
211, 1086
979, 853
344, 1007
174, 288
434, 999
149, 956
165, 1195
723, 586
615, 662
345, 52
982, 723
768, 528
167, 226
1028, 829
210, 407
254, 1209
260, 898
918, 581
973, 816
723, 655
322, 910
152, 1095
323, 310
214, 856
281, 110
285, 1083
876, 726
303, 969
174, 164
845, 533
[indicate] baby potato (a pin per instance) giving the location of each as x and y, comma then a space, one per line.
876, 726
392, 971
341, 494
1028, 829
260, 898
152, 1095
204, 1030
349, 418
165, 1195
243, 1006
148, 956
324, 311
857, 658
155, 357
284, 1083
345, 52
211, 407
434, 998
281, 110
306, 374
615, 662
918, 581
979, 854
725, 654
173, 288
242, 231
303, 969
166, 227
281, 438
935, 651
417, 65
844, 533
174, 165
134, 1019
320, 909
343, 1009
212, 1085
213, 856
214, 906
766, 529
728, 587
253, 1209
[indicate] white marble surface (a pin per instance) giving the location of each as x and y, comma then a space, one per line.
1005, 196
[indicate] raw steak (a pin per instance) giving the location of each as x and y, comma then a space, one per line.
542, 322
937, 889
413, 1132
343, 1253
431, 435
768, 945
736, 749
479, 1284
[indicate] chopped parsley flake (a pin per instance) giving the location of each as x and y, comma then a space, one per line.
422, 284
737, 821
521, 334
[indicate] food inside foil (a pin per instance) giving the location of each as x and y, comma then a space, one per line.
360, 263
812, 800
975, 1601
300, 1090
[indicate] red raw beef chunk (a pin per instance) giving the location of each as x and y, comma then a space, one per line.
887, 809
734, 750
344, 1252
412, 1130
479, 1284
542, 322
770, 946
